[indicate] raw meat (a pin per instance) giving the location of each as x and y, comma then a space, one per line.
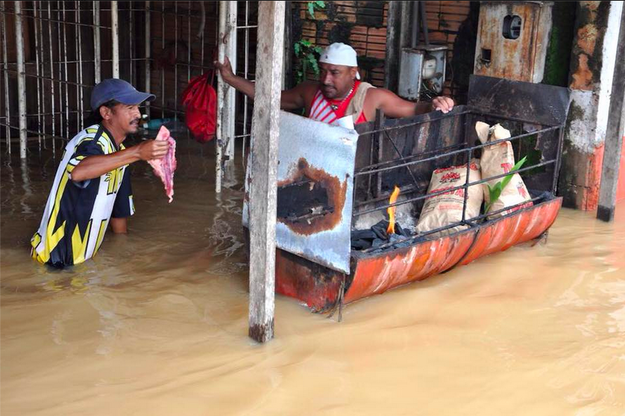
164, 168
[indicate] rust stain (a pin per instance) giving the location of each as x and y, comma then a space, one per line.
582, 78
587, 38
335, 189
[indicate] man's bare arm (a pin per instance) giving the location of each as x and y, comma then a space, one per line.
289, 100
94, 166
396, 107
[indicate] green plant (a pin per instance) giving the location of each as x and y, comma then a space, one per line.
306, 54
494, 192
315, 5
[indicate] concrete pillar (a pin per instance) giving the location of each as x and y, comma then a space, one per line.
592, 68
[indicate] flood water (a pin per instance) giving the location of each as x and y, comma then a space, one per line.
156, 324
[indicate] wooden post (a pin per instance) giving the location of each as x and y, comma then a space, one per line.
614, 134
264, 167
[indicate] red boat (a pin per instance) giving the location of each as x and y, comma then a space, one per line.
331, 178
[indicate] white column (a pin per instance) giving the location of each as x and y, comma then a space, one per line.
21, 78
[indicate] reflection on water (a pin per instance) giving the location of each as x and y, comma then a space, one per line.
156, 324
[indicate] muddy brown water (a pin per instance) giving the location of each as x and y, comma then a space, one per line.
156, 324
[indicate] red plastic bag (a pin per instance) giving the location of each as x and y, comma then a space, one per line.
200, 100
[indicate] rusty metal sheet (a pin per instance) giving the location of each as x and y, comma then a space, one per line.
315, 185
533, 103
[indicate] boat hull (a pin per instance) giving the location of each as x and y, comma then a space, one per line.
321, 288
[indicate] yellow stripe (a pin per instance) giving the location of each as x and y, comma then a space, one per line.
53, 237
79, 244
92, 131
110, 142
34, 242
100, 236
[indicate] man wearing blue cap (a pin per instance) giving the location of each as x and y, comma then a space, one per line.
339, 94
92, 185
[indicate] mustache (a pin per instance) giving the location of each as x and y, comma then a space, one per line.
136, 120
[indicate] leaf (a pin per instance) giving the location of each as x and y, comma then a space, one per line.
315, 66
494, 192
297, 48
311, 9
321, 4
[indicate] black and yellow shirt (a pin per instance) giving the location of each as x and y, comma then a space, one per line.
77, 213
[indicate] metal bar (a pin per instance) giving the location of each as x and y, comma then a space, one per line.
176, 55
34, 132
6, 79
189, 41
246, 65
392, 45
471, 223
231, 51
404, 34
52, 96
62, 82
414, 180
115, 37
455, 188
394, 162
42, 70
39, 89
21, 79
79, 89
162, 68
415, 24
424, 22
62, 21
66, 74
148, 54
221, 95
369, 172
97, 64
436, 117
130, 49
466, 185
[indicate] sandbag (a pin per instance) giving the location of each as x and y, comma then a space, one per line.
444, 209
497, 160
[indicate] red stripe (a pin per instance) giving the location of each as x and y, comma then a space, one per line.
322, 113
316, 102
319, 113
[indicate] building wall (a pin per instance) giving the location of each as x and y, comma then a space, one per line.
362, 24
592, 69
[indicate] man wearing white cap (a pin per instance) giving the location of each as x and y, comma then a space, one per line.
339, 91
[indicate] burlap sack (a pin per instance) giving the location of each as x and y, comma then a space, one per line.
446, 208
497, 160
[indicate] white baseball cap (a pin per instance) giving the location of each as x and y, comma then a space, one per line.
340, 54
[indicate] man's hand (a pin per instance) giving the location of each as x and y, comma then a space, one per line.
152, 149
225, 70
444, 104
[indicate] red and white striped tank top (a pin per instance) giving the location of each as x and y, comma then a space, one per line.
321, 109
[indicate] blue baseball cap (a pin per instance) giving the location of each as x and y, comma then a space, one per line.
118, 90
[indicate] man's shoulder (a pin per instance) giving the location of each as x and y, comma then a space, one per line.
93, 135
